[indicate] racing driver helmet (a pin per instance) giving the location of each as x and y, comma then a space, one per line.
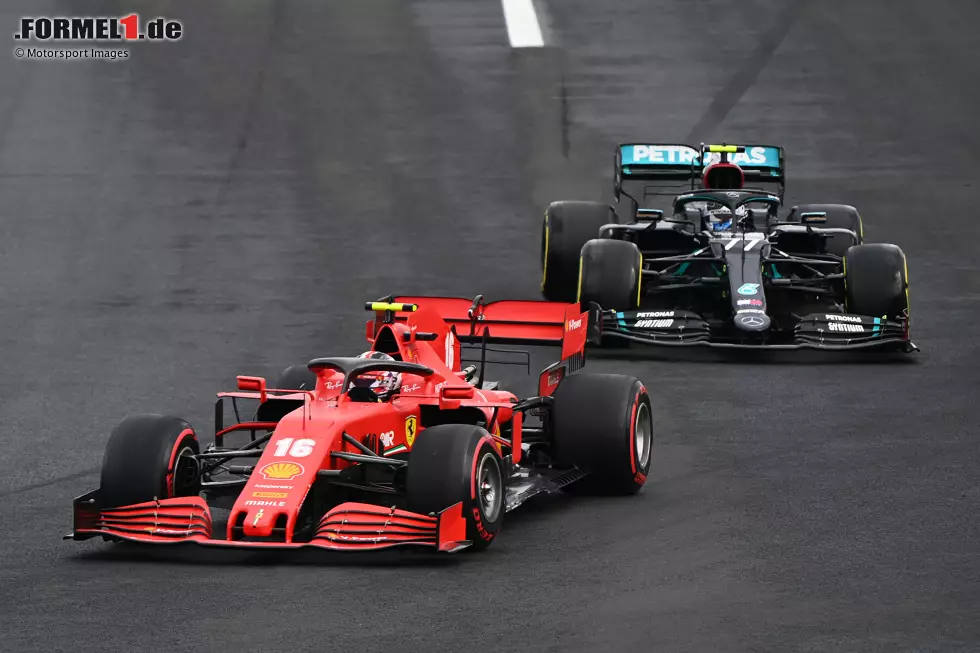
383, 383
719, 219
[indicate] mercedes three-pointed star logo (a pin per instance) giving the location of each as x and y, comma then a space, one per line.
751, 320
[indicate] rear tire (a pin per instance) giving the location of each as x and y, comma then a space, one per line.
610, 275
839, 216
602, 424
876, 281
145, 459
567, 227
452, 463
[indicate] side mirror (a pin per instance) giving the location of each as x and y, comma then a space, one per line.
450, 398
253, 384
649, 215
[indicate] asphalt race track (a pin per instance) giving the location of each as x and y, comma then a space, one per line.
225, 204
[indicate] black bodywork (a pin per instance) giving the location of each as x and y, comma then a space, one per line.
765, 282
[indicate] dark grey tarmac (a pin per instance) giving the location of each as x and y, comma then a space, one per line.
225, 204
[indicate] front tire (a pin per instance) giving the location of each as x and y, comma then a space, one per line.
452, 463
611, 275
296, 377
839, 216
567, 227
147, 458
603, 424
876, 281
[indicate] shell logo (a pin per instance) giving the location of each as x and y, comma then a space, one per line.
281, 471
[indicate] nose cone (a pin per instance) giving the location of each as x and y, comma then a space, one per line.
752, 321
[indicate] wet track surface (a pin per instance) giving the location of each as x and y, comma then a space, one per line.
224, 205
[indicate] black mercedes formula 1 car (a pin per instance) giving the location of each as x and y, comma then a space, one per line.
722, 269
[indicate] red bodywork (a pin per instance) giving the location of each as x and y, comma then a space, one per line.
301, 446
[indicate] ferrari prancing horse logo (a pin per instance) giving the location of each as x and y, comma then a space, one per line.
411, 423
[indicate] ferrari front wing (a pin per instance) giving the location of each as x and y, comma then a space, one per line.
347, 527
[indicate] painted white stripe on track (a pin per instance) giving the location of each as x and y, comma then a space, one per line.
523, 28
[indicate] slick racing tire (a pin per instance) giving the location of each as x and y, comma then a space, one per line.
603, 424
876, 281
147, 458
567, 227
296, 377
611, 275
839, 216
452, 463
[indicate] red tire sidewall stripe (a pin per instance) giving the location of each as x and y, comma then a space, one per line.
477, 515
632, 443
173, 458
476, 459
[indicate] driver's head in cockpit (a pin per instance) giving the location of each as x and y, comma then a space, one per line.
719, 219
383, 383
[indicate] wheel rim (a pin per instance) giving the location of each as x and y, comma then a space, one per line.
643, 435
489, 487
185, 475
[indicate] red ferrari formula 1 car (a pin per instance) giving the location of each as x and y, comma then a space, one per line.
399, 446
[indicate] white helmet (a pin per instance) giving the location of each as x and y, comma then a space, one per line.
383, 382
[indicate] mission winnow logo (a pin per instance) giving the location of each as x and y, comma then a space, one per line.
97, 28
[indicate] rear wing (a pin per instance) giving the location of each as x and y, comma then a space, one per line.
507, 322
680, 163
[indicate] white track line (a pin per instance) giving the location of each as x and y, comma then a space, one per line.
523, 28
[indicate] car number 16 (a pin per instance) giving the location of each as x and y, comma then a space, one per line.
299, 449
